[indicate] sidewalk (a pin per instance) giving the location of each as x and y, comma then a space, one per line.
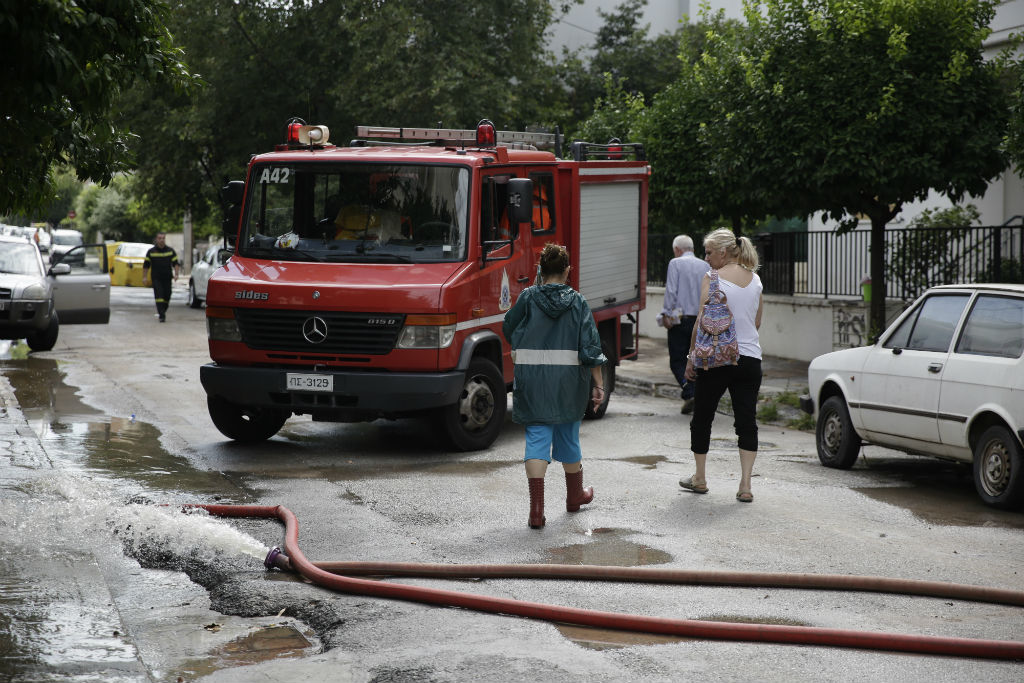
650, 374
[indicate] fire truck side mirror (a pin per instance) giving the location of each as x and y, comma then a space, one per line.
520, 200
233, 194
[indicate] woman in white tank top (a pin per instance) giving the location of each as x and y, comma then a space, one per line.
735, 259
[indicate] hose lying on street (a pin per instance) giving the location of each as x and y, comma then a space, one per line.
329, 575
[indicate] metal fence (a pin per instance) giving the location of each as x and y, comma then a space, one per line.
829, 264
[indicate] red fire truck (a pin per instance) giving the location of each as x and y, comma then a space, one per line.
371, 280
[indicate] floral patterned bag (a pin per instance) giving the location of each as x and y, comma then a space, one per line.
716, 343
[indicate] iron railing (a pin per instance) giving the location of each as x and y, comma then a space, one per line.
830, 264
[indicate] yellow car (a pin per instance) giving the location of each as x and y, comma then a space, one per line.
126, 268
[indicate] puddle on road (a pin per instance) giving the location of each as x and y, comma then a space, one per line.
935, 491
608, 639
392, 469
117, 445
605, 639
54, 518
266, 644
650, 462
610, 549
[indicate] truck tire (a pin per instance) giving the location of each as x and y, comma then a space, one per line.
608, 380
999, 468
44, 340
245, 424
473, 422
838, 443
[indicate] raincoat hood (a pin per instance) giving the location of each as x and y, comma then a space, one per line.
555, 299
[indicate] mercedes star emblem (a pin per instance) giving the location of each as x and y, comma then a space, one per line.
314, 330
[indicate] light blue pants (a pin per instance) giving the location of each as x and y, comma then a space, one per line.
561, 441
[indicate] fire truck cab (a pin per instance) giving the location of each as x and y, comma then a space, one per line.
371, 280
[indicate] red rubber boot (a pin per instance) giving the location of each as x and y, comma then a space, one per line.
575, 494
537, 518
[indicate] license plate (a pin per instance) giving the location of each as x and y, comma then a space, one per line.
300, 382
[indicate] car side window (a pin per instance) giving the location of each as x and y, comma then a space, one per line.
994, 327
931, 326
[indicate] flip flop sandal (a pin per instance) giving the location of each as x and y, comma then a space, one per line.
745, 497
691, 485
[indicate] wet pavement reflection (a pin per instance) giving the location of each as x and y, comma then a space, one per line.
609, 548
80, 435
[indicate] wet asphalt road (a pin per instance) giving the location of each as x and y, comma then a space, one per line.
119, 421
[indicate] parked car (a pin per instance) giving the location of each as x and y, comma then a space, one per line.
126, 269
945, 380
63, 241
35, 300
213, 258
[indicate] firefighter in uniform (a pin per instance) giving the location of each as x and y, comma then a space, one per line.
160, 266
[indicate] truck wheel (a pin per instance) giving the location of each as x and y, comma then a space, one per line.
193, 300
44, 340
999, 468
245, 423
838, 443
474, 421
608, 380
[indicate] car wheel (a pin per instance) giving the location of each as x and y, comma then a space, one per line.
473, 422
838, 444
999, 468
608, 380
193, 300
247, 424
44, 340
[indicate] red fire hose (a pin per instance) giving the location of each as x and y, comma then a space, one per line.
323, 574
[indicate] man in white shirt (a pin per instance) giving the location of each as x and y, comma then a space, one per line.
679, 312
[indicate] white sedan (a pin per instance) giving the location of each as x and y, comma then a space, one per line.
945, 380
214, 258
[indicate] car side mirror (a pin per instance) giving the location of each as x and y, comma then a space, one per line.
223, 255
60, 268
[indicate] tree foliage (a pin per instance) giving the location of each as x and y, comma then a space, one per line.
65, 64
339, 63
849, 107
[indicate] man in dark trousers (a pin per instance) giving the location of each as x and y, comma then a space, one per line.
160, 266
679, 314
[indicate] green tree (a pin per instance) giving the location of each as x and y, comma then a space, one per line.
864, 105
339, 63
694, 132
64, 65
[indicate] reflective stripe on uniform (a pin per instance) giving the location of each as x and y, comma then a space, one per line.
546, 357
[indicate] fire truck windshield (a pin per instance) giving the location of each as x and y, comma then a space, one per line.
356, 213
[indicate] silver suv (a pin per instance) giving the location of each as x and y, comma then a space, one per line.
35, 300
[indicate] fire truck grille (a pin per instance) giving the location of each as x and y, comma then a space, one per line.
319, 331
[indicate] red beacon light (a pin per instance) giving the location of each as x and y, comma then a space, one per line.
299, 134
485, 134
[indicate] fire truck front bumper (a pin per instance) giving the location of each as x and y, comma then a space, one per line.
342, 395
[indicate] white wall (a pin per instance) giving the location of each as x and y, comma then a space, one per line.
800, 328
579, 27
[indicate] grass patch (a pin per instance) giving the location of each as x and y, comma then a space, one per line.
768, 412
789, 398
804, 423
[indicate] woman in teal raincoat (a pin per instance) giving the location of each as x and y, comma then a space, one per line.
557, 352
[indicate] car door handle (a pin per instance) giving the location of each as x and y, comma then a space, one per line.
935, 367
522, 279
99, 286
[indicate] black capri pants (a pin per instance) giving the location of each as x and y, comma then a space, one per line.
743, 381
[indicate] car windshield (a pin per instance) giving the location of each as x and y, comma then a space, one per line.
19, 259
356, 213
67, 239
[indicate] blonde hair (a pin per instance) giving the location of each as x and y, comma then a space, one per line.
739, 248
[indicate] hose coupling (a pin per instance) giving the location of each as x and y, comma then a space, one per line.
277, 558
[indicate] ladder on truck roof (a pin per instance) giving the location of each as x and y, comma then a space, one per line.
459, 135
